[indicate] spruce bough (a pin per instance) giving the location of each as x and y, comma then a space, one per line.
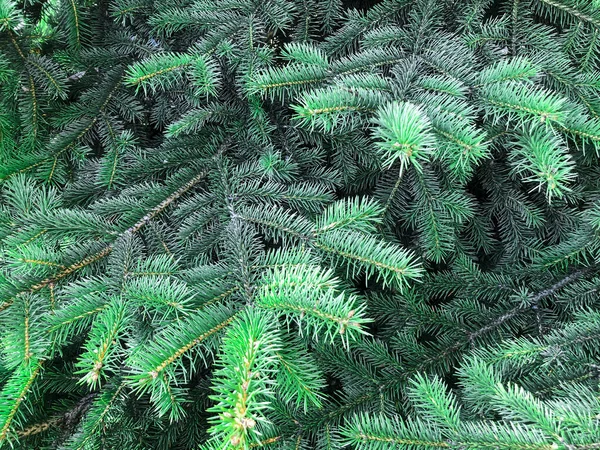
296, 224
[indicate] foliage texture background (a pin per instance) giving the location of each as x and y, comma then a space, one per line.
235, 224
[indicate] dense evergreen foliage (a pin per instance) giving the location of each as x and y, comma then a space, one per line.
294, 224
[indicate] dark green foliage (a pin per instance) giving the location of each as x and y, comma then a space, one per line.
238, 224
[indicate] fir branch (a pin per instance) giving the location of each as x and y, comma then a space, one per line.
14, 393
242, 382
